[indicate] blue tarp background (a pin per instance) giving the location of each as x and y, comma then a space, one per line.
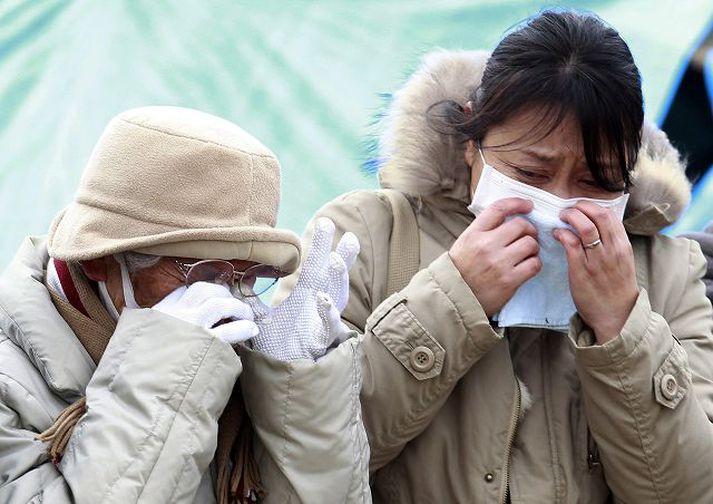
303, 76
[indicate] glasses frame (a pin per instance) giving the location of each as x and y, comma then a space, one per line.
245, 290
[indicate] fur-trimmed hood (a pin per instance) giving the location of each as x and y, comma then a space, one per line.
420, 161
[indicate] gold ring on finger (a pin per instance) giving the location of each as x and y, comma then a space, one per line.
596, 242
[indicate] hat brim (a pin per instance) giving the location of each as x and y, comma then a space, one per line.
82, 232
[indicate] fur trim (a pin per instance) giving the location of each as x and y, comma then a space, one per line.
420, 161
417, 159
525, 399
659, 177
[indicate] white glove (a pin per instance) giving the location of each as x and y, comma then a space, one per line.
206, 304
309, 321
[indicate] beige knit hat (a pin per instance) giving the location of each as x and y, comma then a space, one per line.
176, 182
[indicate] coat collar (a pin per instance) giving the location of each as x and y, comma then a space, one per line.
29, 318
418, 160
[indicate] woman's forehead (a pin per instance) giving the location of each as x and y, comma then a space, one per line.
535, 128
528, 133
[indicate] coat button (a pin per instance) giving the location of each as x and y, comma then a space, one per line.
422, 359
669, 386
489, 477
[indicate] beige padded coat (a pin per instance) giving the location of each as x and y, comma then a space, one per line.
153, 402
459, 412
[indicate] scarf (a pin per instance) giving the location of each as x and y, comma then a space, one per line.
238, 478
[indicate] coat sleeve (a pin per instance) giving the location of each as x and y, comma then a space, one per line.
417, 343
705, 240
648, 393
150, 430
312, 446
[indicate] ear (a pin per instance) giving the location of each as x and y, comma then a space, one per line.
470, 153
96, 269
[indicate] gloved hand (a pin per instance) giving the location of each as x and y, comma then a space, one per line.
309, 321
206, 304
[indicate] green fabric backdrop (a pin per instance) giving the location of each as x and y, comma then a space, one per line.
304, 77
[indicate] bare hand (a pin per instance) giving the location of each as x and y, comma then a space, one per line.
495, 257
602, 278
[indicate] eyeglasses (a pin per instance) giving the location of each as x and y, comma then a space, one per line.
254, 281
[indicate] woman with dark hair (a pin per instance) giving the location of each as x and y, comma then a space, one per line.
556, 348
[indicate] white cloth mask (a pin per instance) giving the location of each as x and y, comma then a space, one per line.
545, 300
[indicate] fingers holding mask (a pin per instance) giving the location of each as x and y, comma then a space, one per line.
584, 226
515, 229
495, 214
526, 269
523, 248
602, 277
572, 247
610, 227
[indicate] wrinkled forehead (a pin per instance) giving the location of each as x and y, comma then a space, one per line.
549, 137
539, 127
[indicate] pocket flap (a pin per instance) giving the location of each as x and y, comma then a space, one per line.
407, 340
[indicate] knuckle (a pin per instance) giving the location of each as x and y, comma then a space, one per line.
601, 212
589, 229
566, 239
532, 244
522, 226
499, 207
534, 266
573, 242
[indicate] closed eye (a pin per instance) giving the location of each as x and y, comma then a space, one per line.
529, 174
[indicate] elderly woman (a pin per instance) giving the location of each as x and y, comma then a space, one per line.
556, 348
118, 378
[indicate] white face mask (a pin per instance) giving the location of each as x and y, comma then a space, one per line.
544, 300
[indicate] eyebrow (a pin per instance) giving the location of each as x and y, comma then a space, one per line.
548, 157
540, 155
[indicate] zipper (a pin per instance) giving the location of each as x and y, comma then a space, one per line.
592, 452
505, 492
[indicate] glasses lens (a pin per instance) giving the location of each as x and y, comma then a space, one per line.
213, 271
258, 279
